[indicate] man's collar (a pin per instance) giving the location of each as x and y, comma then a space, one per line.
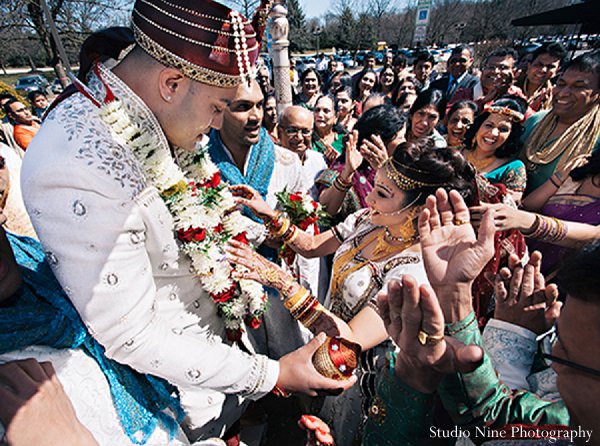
134, 105
230, 154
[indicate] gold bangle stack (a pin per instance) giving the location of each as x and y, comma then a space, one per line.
547, 229
304, 307
341, 185
278, 225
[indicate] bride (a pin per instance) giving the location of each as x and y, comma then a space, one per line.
372, 246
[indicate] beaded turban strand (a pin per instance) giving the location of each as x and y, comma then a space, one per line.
207, 41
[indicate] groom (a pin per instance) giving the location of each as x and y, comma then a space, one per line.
109, 235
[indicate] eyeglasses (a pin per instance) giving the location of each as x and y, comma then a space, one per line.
497, 67
547, 340
293, 131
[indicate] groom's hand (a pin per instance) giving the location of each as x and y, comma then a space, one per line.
297, 373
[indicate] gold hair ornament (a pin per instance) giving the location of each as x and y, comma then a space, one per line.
509, 112
402, 181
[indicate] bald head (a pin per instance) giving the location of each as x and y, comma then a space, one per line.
295, 130
294, 114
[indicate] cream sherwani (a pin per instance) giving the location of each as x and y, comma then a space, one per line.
108, 236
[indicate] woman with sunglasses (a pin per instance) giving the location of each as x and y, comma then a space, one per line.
460, 117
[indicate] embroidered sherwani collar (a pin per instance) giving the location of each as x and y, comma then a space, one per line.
134, 105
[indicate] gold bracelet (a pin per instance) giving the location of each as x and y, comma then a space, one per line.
343, 183
292, 301
285, 226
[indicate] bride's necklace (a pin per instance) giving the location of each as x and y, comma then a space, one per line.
482, 164
384, 248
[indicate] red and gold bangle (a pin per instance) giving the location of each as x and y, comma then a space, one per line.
278, 391
312, 305
302, 308
293, 235
318, 310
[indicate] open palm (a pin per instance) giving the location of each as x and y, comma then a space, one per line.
452, 254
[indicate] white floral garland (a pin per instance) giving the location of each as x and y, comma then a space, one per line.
204, 217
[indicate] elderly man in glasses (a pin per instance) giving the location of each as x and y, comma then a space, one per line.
295, 133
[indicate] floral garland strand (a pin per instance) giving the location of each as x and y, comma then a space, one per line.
204, 218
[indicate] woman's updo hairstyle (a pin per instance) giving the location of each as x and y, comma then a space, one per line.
383, 120
512, 146
421, 161
430, 97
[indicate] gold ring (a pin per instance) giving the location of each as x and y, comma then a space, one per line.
458, 221
427, 339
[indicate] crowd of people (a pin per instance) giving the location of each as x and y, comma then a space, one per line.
158, 284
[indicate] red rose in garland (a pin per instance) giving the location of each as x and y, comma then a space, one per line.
224, 296
192, 234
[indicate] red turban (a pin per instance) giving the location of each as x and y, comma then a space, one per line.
207, 41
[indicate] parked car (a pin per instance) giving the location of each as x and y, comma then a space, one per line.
348, 61
304, 63
57, 87
31, 83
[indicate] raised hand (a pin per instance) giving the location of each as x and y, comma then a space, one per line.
451, 252
330, 153
374, 151
522, 297
414, 320
353, 156
249, 197
452, 255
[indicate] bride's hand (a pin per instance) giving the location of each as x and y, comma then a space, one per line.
257, 267
249, 197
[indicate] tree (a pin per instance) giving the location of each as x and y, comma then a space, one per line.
25, 21
246, 7
378, 9
299, 36
365, 32
346, 30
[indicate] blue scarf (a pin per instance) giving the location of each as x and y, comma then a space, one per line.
260, 165
43, 315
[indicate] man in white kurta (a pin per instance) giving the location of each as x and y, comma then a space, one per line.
109, 236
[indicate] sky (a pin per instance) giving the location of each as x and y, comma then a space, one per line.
315, 8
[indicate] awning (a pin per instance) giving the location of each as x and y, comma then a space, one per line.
587, 14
